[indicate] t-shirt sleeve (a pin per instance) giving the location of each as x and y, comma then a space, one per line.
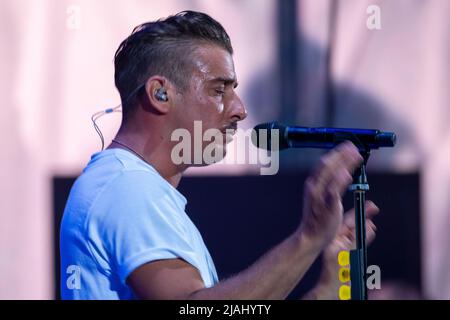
140, 223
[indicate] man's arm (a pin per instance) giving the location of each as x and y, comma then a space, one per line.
273, 276
277, 272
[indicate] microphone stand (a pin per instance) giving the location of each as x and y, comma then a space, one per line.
358, 257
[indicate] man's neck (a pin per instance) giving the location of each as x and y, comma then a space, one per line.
155, 151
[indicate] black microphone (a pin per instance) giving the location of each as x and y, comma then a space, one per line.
323, 138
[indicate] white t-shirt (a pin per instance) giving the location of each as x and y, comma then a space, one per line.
121, 214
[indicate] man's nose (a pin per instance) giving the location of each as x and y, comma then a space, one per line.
238, 110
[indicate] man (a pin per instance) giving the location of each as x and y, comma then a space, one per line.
125, 233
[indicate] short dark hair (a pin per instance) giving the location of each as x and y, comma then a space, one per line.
161, 48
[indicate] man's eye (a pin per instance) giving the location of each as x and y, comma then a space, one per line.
220, 92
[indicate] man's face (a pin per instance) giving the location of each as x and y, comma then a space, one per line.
210, 97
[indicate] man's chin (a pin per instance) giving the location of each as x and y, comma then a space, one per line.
213, 157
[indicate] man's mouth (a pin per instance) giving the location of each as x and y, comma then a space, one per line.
229, 132
230, 129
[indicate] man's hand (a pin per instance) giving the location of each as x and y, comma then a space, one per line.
328, 285
323, 210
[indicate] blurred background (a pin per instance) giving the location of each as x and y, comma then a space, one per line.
342, 63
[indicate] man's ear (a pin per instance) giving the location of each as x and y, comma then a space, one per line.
157, 91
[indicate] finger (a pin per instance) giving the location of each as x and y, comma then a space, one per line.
370, 232
371, 211
344, 243
371, 225
344, 156
339, 182
336, 175
349, 242
333, 174
349, 235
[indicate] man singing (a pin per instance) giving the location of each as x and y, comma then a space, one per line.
125, 230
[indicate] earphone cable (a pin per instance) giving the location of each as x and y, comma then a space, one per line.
100, 114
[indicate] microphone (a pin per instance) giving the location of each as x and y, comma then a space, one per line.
265, 134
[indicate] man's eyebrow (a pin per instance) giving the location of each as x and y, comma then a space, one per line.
226, 81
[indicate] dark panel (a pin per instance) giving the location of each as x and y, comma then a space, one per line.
61, 190
242, 217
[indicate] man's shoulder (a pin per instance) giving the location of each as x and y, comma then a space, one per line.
116, 183
123, 185
115, 167
110, 178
